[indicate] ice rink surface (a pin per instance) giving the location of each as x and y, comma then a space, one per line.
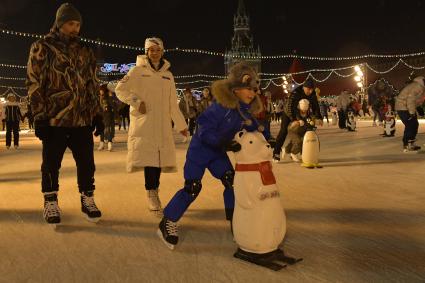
359, 219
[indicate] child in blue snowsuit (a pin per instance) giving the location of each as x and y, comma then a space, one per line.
236, 100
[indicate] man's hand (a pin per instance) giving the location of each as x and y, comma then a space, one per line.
42, 129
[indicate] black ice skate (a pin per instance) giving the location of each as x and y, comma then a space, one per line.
51, 212
89, 208
168, 233
411, 147
275, 260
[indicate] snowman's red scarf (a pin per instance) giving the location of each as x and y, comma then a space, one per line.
265, 169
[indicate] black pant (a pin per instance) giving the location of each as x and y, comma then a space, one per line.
12, 126
123, 118
342, 119
152, 175
377, 113
109, 132
410, 126
191, 122
80, 142
282, 134
30, 124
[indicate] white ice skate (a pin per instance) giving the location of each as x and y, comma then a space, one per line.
154, 203
295, 157
101, 146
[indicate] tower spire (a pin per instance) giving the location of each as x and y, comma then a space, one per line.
241, 8
242, 41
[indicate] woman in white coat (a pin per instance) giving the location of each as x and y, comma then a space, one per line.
150, 91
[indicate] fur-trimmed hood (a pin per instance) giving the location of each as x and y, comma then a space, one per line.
225, 97
241, 75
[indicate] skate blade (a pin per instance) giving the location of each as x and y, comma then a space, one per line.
261, 262
54, 226
280, 256
92, 219
170, 246
412, 152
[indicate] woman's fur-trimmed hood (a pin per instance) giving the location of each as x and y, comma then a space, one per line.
241, 75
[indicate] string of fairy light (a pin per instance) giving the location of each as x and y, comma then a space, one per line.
275, 77
214, 53
278, 76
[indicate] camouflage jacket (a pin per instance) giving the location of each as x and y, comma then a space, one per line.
61, 81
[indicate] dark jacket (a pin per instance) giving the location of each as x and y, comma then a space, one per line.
61, 81
108, 105
13, 113
292, 103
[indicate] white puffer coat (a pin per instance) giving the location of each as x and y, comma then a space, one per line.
411, 96
343, 100
150, 136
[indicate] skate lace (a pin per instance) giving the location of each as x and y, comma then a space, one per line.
89, 203
153, 194
51, 209
171, 228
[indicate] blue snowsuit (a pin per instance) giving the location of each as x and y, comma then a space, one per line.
216, 126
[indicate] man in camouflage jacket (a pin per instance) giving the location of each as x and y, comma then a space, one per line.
62, 87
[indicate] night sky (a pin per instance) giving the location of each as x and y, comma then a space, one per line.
279, 27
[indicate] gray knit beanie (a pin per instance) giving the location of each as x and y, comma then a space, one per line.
67, 12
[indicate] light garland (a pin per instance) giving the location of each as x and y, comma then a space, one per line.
14, 87
199, 75
12, 78
206, 52
195, 88
198, 51
110, 74
98, 42
270, 80
13, 66
194, 82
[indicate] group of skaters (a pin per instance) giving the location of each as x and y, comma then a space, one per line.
383, 104
67, 112
113, 112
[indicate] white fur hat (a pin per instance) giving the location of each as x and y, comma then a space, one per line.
152, 41
303, 104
